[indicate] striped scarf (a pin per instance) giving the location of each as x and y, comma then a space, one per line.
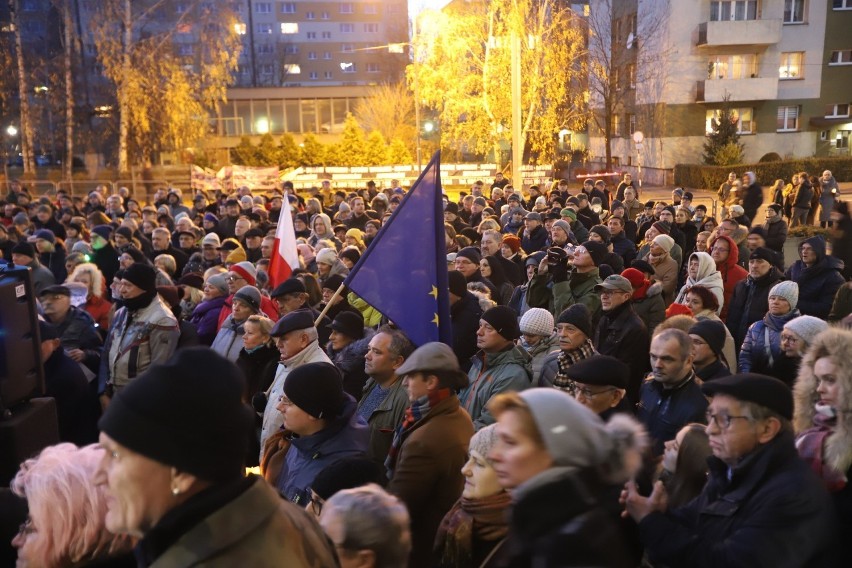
567, 358
418, 409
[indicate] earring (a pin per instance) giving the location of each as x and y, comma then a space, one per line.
175, 491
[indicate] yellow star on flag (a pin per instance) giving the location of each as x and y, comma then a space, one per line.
434, 293
435, 319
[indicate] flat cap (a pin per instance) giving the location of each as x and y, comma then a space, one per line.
766, 391
300, 319
601, 370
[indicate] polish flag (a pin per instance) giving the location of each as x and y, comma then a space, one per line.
285, 255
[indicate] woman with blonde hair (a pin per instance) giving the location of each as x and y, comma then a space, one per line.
96, 305
67, 509
488, 224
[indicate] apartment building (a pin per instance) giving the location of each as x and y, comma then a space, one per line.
783, 66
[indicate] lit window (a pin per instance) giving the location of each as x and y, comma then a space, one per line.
240, 29
289, 27
616, 125
396, 48
733, 66
794, 11
837, 111
347, 67
788, 119
292, 69
743, 116
791, 65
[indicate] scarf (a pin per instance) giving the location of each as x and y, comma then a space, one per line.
418, 409
143, 300
811, 447
567, 358
470, 520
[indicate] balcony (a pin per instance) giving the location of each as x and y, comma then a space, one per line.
739, 32
756, 89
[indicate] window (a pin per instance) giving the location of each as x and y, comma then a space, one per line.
313, 75
631, 124
823, 135
837, 111
794, 11
631, 23
743, 116
265, 48
631, 75
312, 35
288, 7
289, 27
263, 8
371, 9
348, 67
240, 29
347, 48
791, 65
292, 69
325, 15
842, 140
788, 119
326, 35
347, 28
264, 28
180, 8
371, 28
327, 75
326, 55
310, 16
347, 8
736, 10
732, 66
842, 4
841, 57
312, 55
372, 67
267, 69
291, 49
616, 125
185, 49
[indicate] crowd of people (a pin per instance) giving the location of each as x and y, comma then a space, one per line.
629, 383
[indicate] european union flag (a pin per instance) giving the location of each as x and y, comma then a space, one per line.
403, 273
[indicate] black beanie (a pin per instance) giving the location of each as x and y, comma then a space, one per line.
141, 275
316, 388
577, 315
470, 253
350, 254
597, 251
458, 284
24, 248
602, 232
504, 320
186, 413
711, 331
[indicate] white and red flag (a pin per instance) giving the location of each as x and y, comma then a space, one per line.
285, 255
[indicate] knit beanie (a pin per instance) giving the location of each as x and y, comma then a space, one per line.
470, 253
562, 225
711, 331
246, 270
788, 290
347, 473
104, 231
219, 281
457, 283
316, 388
758, 230
483, 441
186, 413
24, 248
634, 276
504, 320
665, 242
577, 315
602, 232
597, 251
326, 256
142, 276
573, 435
512, 241
250, 296
775, 207
537, 321
568, 213
351, 254
806, 327
663, 226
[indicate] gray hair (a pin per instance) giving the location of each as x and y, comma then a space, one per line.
374, 520
400, 345
682, 338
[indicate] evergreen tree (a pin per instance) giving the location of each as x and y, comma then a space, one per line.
312, 151
267, 152
289, 151
244, 153
398, 153
723, 147
376, 149
352, 146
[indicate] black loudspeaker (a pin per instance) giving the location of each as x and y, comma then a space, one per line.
32, 427
21, 372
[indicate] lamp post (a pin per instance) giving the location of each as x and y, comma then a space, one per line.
517, 124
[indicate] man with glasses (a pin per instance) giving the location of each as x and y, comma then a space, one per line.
670, 397
761, 506
600, 384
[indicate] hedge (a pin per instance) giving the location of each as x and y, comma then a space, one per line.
711, 177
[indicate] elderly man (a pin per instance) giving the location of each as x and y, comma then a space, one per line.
600, 384
490, 246
670, 397
161, 244
24, 254
76, 329
296, 338
761, 506
818, 276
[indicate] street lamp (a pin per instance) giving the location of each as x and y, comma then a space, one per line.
11, 130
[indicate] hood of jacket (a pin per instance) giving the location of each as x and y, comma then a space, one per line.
208, 305
818, 244
352, 354
328, 441
515, 355
733, 252
838, 342
706, 266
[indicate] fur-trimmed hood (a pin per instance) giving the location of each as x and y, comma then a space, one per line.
836, 343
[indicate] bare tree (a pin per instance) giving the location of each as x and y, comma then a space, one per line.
24, 94
390, 110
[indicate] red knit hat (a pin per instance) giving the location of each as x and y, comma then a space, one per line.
512, 241
678, 310
246, 270
635, 277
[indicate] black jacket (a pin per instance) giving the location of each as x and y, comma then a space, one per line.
772, 512
78, 331
750, 303
536, 240
665, 411
713, 371
818, 283
465, 316
753, 200
776, 235
622, 334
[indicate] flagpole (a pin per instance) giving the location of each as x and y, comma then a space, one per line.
330, 303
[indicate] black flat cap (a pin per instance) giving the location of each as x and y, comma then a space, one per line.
601, 370
300, 319
753, 387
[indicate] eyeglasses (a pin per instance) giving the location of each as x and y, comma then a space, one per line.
586, 393
723, 421
789, 338
316, 504
234, 278
719, 249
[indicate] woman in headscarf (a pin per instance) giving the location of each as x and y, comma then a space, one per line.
701, 269
321, 228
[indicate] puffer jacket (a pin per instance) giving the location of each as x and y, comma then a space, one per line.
229, 340
750, 303
758, 357
494, 373
731, 272
649, 305
776, 234
347, 435
707, 276
818, 283
205, 318
372, 316
350, 361
136, 341
539, 353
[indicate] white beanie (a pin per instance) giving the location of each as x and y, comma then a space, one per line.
806, 327
788, 290
537, 321
665, 242
326, 256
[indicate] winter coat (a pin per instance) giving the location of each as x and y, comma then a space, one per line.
344, 436
731, 272
753, 198
755, 355
842, 305
539, 353
665, 273
259, 368
803, 196
578, 289
841, 246
768, 510
42, 277
749, 303
818, 283
385, 418
465, 315
256, 528
205, 318
272, 417
229, 340
580, 532
623, 247
427, 476
729, 351
136, 341
78, 331
649, 305
372, 317
776, 234
664, 411
713, 371
494, 373
534, 241
622, 334
830, 193
707, 276
55, 262
350, 361
690, 235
